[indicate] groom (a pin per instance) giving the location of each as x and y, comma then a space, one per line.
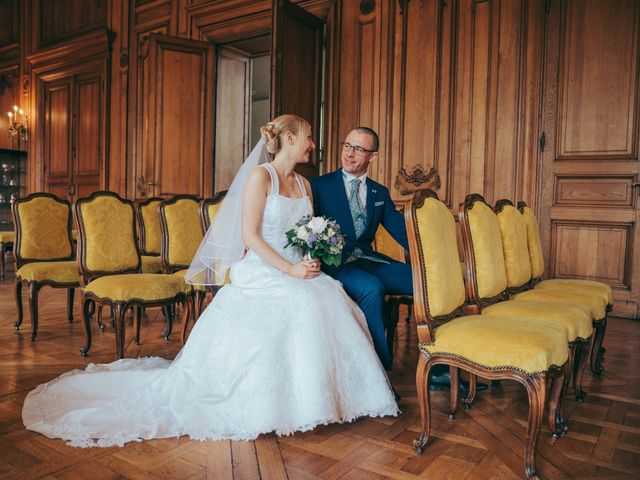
360, 205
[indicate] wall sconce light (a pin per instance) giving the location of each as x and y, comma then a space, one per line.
18, 125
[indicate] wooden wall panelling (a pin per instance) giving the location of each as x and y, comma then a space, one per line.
10, 31
9, 96
424, 47
178, 157
70, 99
58, 20
589, 208
154, 16
89, 131
56, 135
118, 140
365, 90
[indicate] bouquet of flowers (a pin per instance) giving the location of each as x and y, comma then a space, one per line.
319, 237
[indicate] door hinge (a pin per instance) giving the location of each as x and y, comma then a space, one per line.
543, 141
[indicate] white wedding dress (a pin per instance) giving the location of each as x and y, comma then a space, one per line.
270, 353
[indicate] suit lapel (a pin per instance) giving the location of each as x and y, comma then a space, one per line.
371, 201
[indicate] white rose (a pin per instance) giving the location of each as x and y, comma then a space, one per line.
317, 224
302, 233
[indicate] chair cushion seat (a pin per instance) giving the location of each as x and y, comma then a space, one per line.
151, 264
526, 344
582, 286
148, 287
573, 316
596, 304
59, 272
7, 237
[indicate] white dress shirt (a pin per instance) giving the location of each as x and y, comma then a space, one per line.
362, 186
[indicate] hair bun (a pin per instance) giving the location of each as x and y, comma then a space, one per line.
271, 137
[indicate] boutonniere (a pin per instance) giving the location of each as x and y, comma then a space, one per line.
374, 191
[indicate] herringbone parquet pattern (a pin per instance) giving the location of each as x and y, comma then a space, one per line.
483, 442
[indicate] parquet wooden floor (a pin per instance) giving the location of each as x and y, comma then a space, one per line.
483, 442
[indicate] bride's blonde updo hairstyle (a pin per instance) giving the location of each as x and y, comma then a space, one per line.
273, 132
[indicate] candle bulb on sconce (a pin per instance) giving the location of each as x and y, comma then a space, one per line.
18, 128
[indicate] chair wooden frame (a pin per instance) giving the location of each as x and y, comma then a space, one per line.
205, 203
575, 365
142, 233
535, 385
197, 296
35, 286
119, 308
205, 220
5, 247
577, 349
596, 350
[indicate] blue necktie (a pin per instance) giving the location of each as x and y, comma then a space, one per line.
358, 213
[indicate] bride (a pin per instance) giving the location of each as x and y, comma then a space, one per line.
281, 348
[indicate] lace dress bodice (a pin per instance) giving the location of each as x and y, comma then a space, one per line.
280, 215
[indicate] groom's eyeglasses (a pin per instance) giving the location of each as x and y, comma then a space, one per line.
356, 149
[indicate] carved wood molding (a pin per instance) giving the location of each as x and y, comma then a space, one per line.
95, 43
407, 183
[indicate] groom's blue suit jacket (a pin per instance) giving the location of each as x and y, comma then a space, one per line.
330, 200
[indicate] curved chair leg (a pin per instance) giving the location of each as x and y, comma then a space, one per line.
189, 314
34, 290
138, 321
557, 425
168, 313
201, 296
120, 312
422, 385
537, 391
70, 295
579, 364
597, 351
473, 384
3, 253
454, 374
19, 304
88, 306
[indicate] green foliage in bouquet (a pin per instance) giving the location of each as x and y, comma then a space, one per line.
318, 237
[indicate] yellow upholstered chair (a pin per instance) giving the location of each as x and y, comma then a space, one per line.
384, 243
590, 287
182, 233
149, 234
109, 260
43, 251
6, 245
495, 253
209, 208
528, 350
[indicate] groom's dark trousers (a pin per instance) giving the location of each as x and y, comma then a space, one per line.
366, 281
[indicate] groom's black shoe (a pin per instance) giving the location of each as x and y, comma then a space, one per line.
442, 381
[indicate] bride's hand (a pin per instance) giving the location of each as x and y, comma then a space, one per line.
306, 269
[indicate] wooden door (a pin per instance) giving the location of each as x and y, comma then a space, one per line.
177, 155
57, 137
589, 208
88, 146
296, 68
233, 101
